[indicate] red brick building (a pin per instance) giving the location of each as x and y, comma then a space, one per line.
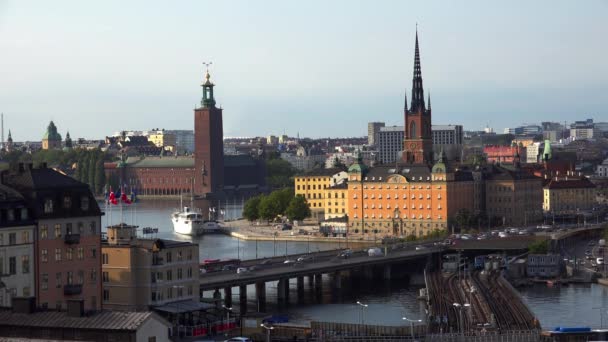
501, 154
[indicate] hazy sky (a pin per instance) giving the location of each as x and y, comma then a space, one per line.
320, 68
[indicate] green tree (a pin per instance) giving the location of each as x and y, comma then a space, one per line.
298, 208
463, 218
100, 176
279, 174
268, 208
539, 247
251, 211
91, 170
83, 163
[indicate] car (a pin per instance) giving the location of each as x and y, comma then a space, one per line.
239, 339
503, 235
228, 268
419, 248
241, 270
289, 261
374, 252
304, 258
346, 253
254, 268
599, 261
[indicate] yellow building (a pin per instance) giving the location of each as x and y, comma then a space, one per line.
312, 186
138, 274
336, 201
568, 196
160, 138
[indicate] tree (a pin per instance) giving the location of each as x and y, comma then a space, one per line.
83, 162
269, 208
251, 211
91, 170
100, 176
539, 247
463, 218
279, 173
298, 208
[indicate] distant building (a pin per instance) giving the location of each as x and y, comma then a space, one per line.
544, 265
17, 258
51, 139
568, 195
501, 154
336, 200
533, 152
184, 140
272, 140
313, 185
163, 139
581, 130
283, 139
513, 195
372, 129
141, 273
389, 141
602, 169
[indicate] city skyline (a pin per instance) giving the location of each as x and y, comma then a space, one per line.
336, 72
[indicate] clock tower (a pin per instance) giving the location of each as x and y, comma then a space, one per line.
418, 142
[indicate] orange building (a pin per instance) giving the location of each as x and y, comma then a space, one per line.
406, 199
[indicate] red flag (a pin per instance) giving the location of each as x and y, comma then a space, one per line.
112, 198
124, 197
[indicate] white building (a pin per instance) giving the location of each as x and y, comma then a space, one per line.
16, 248
533, 152
602, 169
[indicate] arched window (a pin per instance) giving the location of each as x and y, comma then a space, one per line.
413, 130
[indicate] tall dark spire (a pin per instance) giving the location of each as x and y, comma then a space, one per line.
417, 91
429, 101
405, 102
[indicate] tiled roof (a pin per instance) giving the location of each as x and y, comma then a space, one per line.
322, 172
569, 184
105, 320
44, 178
158, 162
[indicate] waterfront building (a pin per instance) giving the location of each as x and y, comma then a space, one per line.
336, 200
544, 265
51, 139
16, 247
141, 273
68, 236
513, 195
568, 195
313, 184
372, 130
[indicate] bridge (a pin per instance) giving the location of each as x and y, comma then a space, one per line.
313, 266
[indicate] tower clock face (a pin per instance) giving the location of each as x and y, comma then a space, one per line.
413, 146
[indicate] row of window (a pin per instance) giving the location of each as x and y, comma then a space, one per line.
67, 229
403, 216
11, 214
336, 203
160, 295
68, 254
298, 180
314, 187
179, 275
49, 204
336, 211
396, 196
395, 187
173, 180
396, 206
71, 278
157, 258
12, 265
12, 238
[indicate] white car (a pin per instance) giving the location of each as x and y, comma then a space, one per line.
503, 234
599, 261
419, 248
242, 270
239, 339
289, 261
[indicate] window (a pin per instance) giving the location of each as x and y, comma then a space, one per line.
190, 290
105, 277
44, 255
189, 254
1, 239
80, 226
180, 256
80, 277
93, 227
106, 295
104, 258
179, 274
57, 254
93, 276
68, 229
12, 265
57, 230
169, 275
190, 272
70, 279
48, 206
45, 281
12, 238
25, 237
80, 253
168, 257
93, 252
67, 202
44, 231
84, 203
25, 264
69, 254
58, 279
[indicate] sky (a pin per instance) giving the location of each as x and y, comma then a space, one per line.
318, 68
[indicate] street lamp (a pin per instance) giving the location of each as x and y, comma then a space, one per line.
268, 329
412, 324
362, 313
227, 317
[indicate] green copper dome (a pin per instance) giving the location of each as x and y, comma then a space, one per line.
51, 133
359, 166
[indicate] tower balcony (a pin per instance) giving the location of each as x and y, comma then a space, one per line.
72, 239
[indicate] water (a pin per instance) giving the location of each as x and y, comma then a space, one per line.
387, 302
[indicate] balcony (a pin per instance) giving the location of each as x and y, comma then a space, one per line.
72, 289
72, 239
157, 261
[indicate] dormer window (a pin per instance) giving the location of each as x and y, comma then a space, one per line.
48, 206
84, 203
67, 202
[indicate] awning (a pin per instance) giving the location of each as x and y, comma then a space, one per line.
184, 306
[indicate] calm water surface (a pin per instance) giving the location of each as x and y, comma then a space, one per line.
387, 302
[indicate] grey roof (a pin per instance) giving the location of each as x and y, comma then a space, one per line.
44, 178
184, 306
322, 172
105, 320
238, 160
161, 162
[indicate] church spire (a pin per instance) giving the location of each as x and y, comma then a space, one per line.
417, 90
429, 100
405, 101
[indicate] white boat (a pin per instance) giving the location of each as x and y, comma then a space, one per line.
187, 222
